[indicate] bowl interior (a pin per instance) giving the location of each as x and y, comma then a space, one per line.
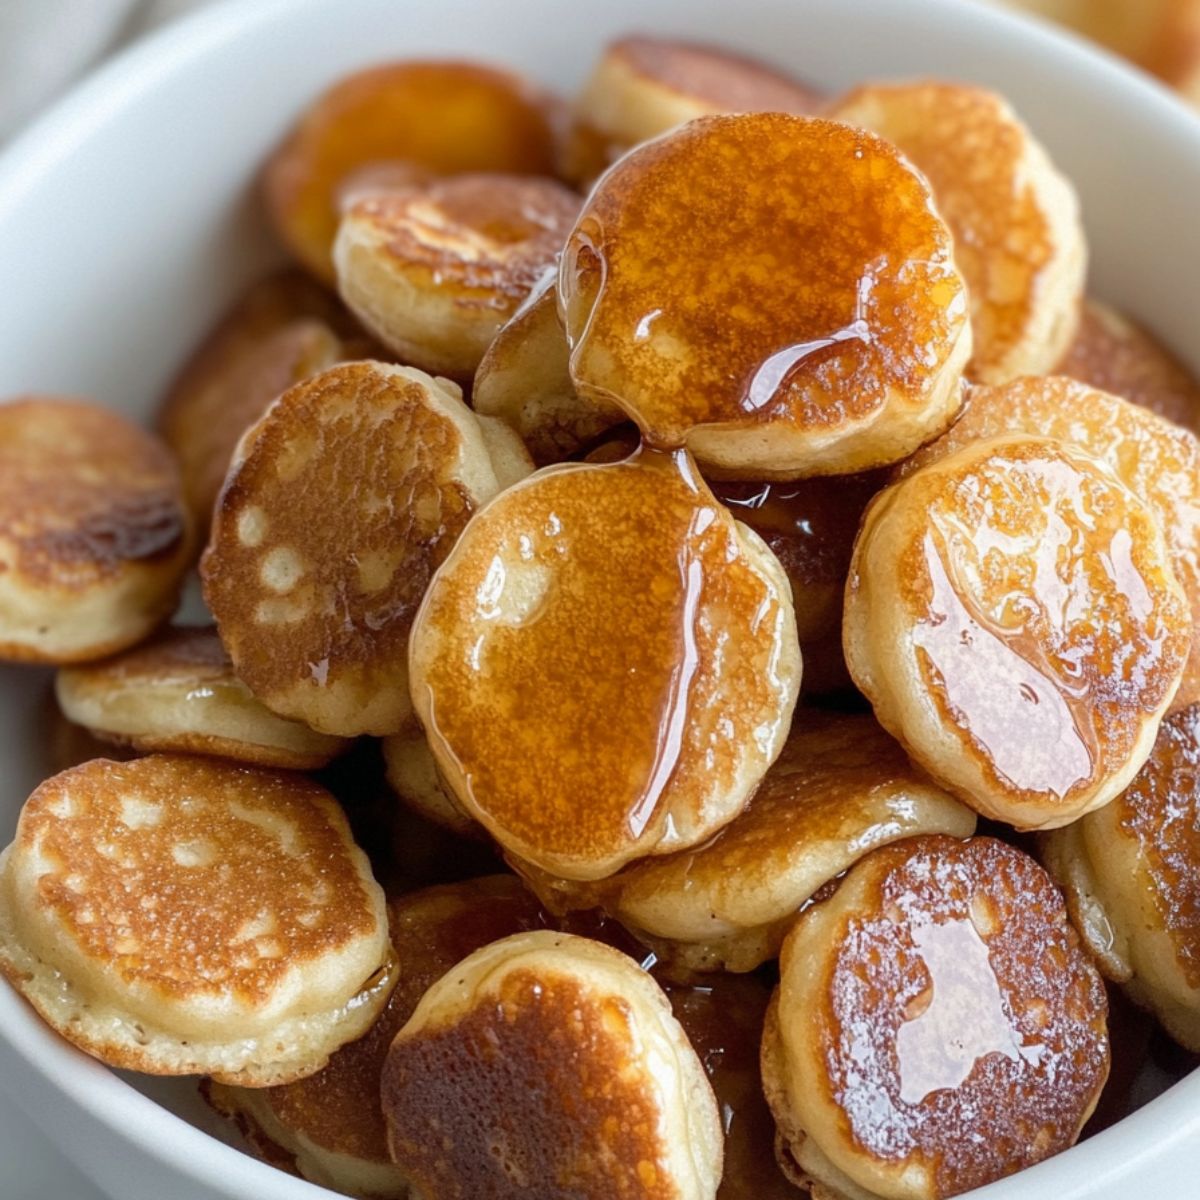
127, 219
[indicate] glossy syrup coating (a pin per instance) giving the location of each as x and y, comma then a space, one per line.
1013, 617
283, 328
798, 312
180, 915
1131, 873
1115, 355
1018, 239
412, 773
840, 788
937, 1026
434, 270
524, 379
547, 1065
642, 86
606, 664
446, 117
723, 1019
94, 535
330, 1125
177, 692
344, 499
1157, 460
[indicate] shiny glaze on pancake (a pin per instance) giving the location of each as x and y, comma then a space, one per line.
806, 288
444, 116
1046, 628
1113, 354
601, 666
1156, 460
959, 1024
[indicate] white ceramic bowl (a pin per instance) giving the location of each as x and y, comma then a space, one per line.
127, 221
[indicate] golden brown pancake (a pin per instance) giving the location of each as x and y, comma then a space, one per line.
1158, 461
550, 1065
443, 116
178, 692
340, 504
94, 535
183, 916
524, 379
1131, 873
937, 1025
330, 1126
643, 86
1114, 355
434, 270
1013, 617
840, 788
606, 664
413, 774
1018, 239
778, 293
282, 329
723, 1019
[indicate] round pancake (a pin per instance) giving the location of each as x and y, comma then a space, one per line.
524, 380
178, 692
330, 1125
937, 1025
339, 505
1112, 354
547, 1064
849, 356
723, 1019
435, 270
443, 116
1131, 873
413, 774
810, 525
94, 535
182, 916
1018, 238
643, 86
284, 328
1158, 461
1014, 619
840, 788
606, 664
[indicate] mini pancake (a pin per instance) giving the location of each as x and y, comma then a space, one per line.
445, 117
606, 664
643, 86
937, 1025
435, 270
339, 505
178, 692
329, 1127
851, 353
94, 535
810, 525
413, 774
1018, 238
283, 329
723, 1019
1131, 873
1014, 619
547, 1064
840, 788
524, 380
181, 916
1114, 355
1158, 461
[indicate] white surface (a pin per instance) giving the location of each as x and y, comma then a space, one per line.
125, 223
31, 1168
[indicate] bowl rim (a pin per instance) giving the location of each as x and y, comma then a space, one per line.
1160, 1127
